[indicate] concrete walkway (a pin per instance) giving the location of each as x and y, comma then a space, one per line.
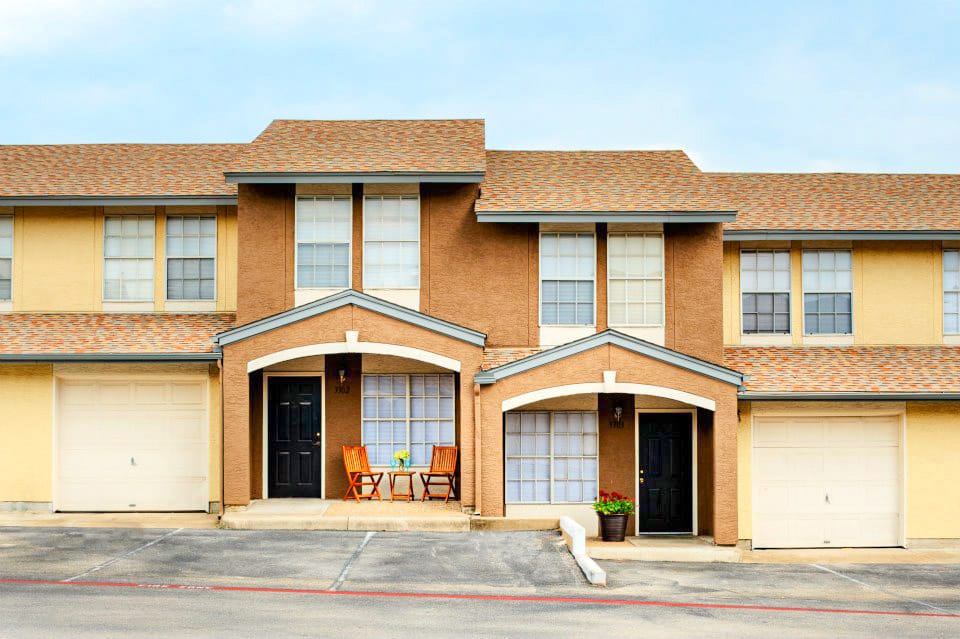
108, 520
322, 514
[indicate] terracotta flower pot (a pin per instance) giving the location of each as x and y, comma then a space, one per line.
613, 527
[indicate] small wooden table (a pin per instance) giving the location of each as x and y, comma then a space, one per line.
408, 495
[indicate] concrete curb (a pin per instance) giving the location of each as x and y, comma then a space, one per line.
576, 537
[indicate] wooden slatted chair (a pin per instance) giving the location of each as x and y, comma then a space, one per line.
443, 468
358, 472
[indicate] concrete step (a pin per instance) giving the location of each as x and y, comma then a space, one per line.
513, 524
256, 521
688, 549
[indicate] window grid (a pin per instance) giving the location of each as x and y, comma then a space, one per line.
391, 241
128, 249
191, 257
6, 257
951, 292
765, 291
635, 272
567, 279
551, 457
323, 228
827, 292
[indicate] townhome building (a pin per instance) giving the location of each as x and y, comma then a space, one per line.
766, 358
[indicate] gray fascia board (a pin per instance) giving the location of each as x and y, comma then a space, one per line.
614, 217
346, 298
171, 200
360, 178
610, 336
754, 236
872, 396
110, 357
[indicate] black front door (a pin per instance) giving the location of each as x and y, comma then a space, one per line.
294, 447
665, 501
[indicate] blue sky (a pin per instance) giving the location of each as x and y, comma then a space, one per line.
741, 86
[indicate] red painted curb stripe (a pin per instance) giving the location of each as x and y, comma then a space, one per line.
429, 595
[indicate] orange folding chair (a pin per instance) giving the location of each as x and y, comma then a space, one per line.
443, 469
359, 474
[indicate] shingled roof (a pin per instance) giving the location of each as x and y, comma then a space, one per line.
115, 170
365, 146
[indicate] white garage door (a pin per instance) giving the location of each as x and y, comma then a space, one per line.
826, 482
132, 444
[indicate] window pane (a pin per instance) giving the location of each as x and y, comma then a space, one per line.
128, 258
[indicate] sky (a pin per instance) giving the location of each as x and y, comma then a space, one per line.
740, 85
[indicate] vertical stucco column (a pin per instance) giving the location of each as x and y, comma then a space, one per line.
467, 443
491, 452
236, 432
725, 528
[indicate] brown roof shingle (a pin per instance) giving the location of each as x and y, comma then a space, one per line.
609, 181
365, 146
115, 170
140, 333
841, 201
847, 369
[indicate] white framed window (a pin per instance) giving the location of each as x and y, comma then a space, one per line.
567, 279
551, 457
635, 279
191, 257
128, 251
324, 226
391, 241
765, 291
412, 412
951, 292
6, 258
828, 292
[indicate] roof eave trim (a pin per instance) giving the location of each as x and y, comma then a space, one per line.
662, 217
110, 357
615, 338
373, 177
160, 200
346, 298
753, 396
731, 236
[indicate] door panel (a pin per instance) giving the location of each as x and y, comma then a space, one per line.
665, 499
293, 437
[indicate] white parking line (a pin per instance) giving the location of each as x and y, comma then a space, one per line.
126, 554
886, 592
353, 559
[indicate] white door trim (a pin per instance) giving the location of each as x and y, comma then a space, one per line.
264, 427
695, 525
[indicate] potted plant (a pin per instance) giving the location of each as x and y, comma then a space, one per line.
612, 510
402, 457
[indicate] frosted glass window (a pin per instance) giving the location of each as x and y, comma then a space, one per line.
323, 230
567, 274
128, 258
551, 457
635, 273
412, 412
191, 257
6, 257
391, 245
951, 292
765, 291
827, 293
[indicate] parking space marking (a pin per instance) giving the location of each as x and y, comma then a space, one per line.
886, 592
123, 556
353, 559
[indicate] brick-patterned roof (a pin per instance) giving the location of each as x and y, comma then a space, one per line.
841, 201
115, 170
493, 357
649, 181
847, 369
48, 333
364, 146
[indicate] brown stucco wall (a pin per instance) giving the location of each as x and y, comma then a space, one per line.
265, 248
704, 485
617, 447
342, 418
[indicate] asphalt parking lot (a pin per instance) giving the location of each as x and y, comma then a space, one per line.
177, 582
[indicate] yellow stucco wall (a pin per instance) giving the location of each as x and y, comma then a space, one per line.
26, 434
744, 477
215, 433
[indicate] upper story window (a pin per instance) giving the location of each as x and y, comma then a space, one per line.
191, 257
323, 232
635, 273
6, 257
765, 291
567, 277
128, 258
951, 292
391, 241
827, 293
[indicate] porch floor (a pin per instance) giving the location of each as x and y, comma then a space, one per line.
331, 514
663, 548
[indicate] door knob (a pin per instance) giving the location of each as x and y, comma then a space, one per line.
316, 440
642, 480
132, 462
